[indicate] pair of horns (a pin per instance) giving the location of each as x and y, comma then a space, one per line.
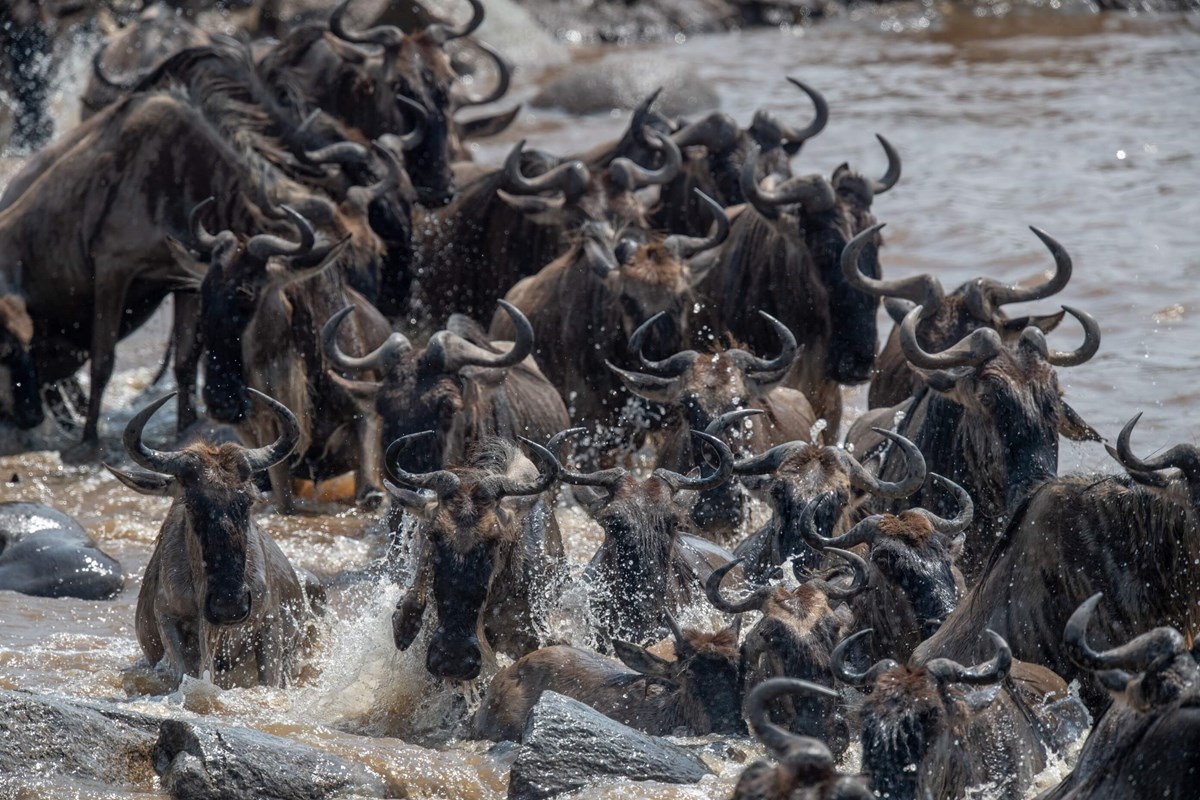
173, 462
608, 478
570, 177
676, 365
769, 132
1184, 457
389, 36
945, 670
631, 176
760, 593
262, 246
1139, 655
445, 483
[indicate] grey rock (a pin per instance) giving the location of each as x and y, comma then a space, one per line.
203, 762
567, 745
625, 82
45, 553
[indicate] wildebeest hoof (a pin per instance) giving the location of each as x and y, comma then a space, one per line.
81, 453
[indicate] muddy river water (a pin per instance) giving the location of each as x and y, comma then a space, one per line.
1085, 125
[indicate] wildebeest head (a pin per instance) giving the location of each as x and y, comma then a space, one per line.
421, 390
416, 66
467, 533
825, 216
19, 397
213, 488
806, 766
913, 713
1152, 671
796, 476
640, 519
705, 672
1012, 389
1183, 457
914, 553
949, 318
795, 638
243, 272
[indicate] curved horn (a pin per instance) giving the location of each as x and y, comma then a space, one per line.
712, 588
389, 36
98, 71
262, 458
864, 479
681, 642
717, 132
263, 246
605, 478
893, 169
726, 420
503, 79
994, 671
497, 487
440, 33
630, 175
203, 238
923, 289
794, 137
166, 463
803, 753
862, 533
979, 346
960, 521
1062, 358
1003, 295
414, 137
441, 482
724, 469
570, 177
459, 353
861, 576
812, 192
1185, 457
846, 675
1136, 655
684, 247
774, 368
382, 358
670, 367
768, 462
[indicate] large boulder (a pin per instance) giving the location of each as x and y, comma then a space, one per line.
207, 762
624, 82
567, 745
45, 553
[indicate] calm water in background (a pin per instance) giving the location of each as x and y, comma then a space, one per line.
1087, 126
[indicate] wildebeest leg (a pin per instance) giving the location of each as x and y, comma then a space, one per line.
268, 653
106, 330
367, 492
281, 488
170, 633
187, 356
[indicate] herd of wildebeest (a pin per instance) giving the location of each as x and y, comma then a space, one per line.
360, 296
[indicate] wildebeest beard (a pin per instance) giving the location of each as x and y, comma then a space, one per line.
220, 519
854, 335
900, 723
921, 575
461, 582
641, 537
228, 307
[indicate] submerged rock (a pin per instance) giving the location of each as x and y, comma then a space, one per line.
203, 762
45, 553
623, 83
567, 745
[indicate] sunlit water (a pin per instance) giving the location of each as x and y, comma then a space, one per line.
1083, 125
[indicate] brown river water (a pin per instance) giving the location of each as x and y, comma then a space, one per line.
1085, 125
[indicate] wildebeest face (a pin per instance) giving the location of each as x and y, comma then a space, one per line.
425, 76
918, 563
19, 396
229, 296
417, 398
901, 722
855, 332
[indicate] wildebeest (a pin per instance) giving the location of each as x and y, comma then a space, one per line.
1134, 537
696, 389
488, 548
698, 692
218, 596
44, 552
793, 476
795, 638
1146, 744
585, 306
805, 767
937, 728
460, 386
265, 300
989, 418
915, 583
946, 318
645, 567
782, 257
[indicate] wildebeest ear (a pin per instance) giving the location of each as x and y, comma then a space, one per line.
1043, 322
1072, 426
186, 259
641, 660
144, 482
544, 210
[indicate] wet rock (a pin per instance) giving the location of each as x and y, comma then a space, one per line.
203, 762
567, 745
45, 553
44, 736
623, 83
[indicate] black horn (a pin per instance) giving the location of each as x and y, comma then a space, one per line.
684, 247
382, 358
844, 673
994, 671
262, 458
